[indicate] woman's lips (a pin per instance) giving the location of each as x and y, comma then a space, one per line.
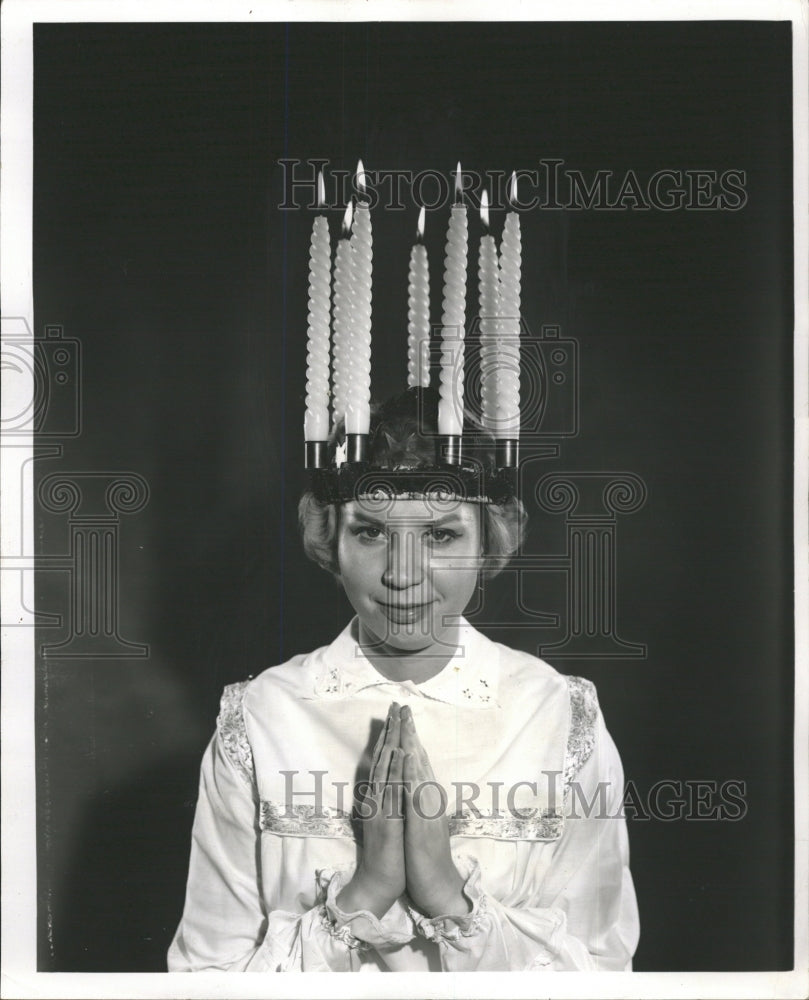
404, 614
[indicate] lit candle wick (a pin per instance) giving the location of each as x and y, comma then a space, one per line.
420, 226
321, 190
458, 184
360, 178
512, 190
348, 219
484, 210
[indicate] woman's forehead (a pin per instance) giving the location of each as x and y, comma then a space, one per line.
427, 509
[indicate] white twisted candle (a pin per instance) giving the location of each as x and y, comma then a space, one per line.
343, 318
508, 355
316, 419
453, 323
358, 402
418, 318
489, 289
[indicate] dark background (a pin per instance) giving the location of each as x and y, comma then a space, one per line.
158, 244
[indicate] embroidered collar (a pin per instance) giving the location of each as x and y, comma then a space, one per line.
469, 678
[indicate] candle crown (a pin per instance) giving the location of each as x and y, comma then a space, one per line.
405, 458
447, 451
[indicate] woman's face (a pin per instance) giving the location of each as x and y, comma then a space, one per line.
409, 568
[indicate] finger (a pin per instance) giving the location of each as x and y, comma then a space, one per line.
396, 778
396, 765
392, 793
391, 743
410, 780
423, 800
395, 729
380, 740
412, 744
409, 740
392, 739
377, 751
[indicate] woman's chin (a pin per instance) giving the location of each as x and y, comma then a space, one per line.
404, 634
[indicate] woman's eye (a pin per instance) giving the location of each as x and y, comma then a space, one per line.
442, 536
367, 533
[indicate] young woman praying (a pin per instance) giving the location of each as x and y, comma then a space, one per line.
413, 796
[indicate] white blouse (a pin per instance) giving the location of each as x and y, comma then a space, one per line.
534, 789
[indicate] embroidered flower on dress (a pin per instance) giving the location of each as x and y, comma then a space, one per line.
480, 694
329, 682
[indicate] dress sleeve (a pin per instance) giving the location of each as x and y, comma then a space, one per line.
226, 925
585, 915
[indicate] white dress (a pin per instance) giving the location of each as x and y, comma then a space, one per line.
534, 789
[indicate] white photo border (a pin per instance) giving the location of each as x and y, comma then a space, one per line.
19, 976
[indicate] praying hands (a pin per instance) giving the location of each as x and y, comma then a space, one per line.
405, 831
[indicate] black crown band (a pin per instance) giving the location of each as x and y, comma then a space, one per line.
356, 481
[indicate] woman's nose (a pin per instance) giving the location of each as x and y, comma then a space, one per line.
405, 562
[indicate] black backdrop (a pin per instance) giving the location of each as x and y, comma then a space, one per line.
159, 245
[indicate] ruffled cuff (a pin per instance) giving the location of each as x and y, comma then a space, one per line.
451, 927
362, 929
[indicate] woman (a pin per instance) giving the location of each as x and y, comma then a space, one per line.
413, 796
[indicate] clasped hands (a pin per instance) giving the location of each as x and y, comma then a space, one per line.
405, 831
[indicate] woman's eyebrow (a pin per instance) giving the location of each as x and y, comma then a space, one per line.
384, 522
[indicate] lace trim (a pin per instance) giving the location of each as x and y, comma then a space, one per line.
452, 928
548, 825
581, 738
341, 933
394, 929
445, 928
305, 821
232, 732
